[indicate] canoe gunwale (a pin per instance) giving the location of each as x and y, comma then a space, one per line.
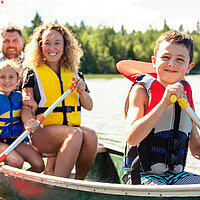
103, 188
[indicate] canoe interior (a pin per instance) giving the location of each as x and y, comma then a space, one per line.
107, 167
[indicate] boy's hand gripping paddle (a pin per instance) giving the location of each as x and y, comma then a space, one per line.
4, 155
186, 106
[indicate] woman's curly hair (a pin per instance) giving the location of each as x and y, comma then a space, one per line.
72, 52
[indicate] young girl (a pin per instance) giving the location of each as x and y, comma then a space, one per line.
11, 125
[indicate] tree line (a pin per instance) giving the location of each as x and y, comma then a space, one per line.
103, 46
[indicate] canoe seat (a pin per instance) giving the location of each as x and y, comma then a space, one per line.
101, 148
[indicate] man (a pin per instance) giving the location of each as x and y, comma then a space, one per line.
12, 44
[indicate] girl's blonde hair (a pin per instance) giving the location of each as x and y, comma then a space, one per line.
10, 64
72, 51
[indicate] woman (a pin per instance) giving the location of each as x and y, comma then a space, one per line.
53, 54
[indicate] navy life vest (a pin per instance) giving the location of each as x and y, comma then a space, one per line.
11, 125
165, 147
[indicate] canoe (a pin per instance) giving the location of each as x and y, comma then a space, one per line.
103, 182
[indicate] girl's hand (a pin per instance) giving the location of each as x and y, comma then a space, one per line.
80, 84
177, 89
32, 125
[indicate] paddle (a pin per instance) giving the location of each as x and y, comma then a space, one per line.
186, 106
4, 154
131, 69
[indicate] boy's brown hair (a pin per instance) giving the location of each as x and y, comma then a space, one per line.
176, 37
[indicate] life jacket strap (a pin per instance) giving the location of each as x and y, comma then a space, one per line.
68, 109
172, 144
175, 144
169, 158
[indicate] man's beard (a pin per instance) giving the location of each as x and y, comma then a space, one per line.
11, 56
14, 56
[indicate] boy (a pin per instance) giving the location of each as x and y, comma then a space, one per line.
157, 131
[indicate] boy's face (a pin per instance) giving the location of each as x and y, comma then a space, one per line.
171, 63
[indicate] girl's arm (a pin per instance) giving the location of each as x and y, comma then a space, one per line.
139, 125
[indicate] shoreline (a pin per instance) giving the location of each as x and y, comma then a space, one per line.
194, 72
110, 76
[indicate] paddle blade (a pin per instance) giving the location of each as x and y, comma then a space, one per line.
131, 69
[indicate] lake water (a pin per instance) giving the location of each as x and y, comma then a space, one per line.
107, 116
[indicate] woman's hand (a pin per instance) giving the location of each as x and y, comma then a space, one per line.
80, 84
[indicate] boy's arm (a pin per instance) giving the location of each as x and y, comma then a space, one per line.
194, 144
139, 125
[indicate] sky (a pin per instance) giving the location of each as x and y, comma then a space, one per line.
133, 14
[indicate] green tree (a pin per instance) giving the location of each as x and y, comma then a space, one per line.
198, 27
181, 28
103, 47
27, 31
166, 27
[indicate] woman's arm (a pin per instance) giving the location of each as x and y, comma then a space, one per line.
27, 111
28, 100
85, 99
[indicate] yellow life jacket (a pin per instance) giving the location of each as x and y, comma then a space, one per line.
50, 88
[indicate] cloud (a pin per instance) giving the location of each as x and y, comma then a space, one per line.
111, 13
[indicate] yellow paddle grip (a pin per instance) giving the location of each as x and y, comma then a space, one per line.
181, 101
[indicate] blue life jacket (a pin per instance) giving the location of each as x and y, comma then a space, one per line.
11, 125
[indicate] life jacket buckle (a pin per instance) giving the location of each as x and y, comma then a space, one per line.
173, 159
176, 144
70, 109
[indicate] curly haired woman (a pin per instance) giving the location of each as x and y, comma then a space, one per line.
52, 58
